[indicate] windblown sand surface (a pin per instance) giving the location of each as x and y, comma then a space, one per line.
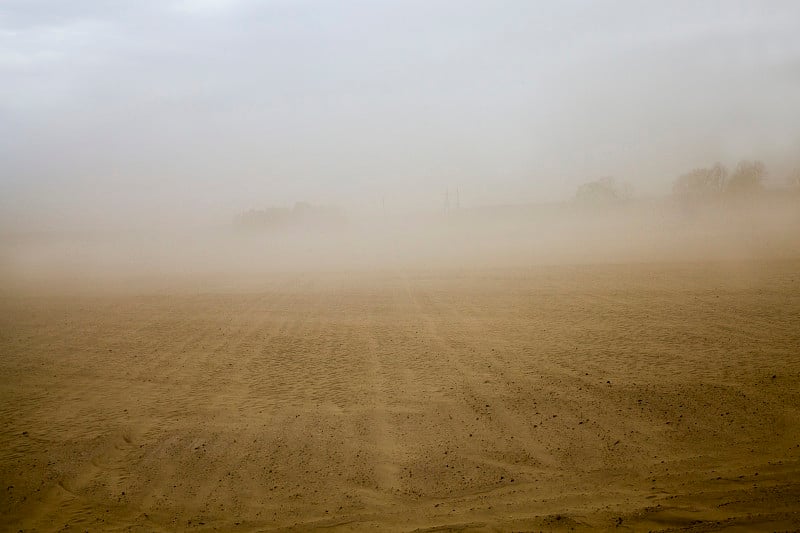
648, 397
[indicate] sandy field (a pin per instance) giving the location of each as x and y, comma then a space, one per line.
632, 397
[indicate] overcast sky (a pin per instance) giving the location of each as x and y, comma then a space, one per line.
111, 110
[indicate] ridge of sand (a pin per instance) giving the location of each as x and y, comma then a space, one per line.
642, 397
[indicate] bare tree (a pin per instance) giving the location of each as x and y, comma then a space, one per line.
701, 184
747, 178
603, 191
793, 180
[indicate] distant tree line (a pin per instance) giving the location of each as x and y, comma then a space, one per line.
698, 186
301, 215
604, 191
715, 182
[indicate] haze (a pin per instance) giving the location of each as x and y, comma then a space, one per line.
138, 114
411, 265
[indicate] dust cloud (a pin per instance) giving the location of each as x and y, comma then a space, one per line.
399, 265
305, 238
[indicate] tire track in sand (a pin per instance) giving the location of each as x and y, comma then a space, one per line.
481, 395
387, 450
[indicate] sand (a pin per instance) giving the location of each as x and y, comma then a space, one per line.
638, 396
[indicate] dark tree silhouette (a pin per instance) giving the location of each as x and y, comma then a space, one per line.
701, 184
747, 178
603, 192
794, 180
